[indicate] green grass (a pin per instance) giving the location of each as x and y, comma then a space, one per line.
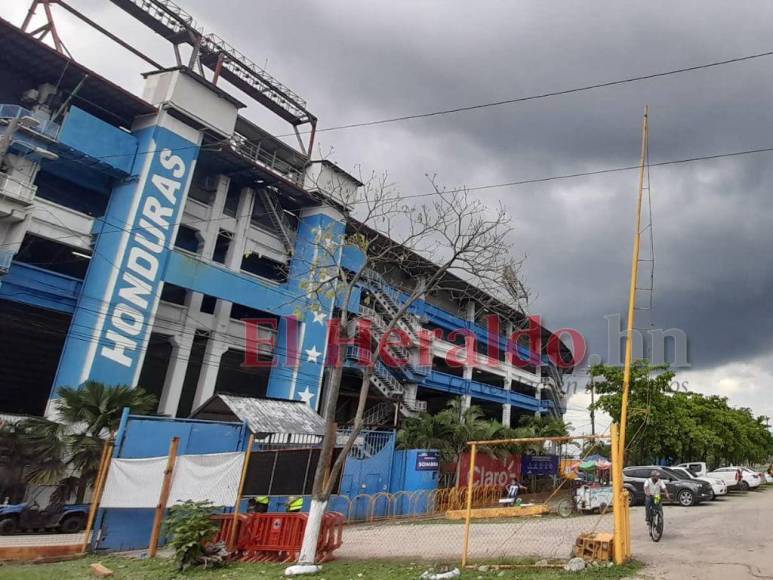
162, 569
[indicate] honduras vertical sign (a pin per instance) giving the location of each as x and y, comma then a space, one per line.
111, 324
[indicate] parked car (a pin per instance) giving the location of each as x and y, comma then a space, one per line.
744, 477
718, 487
684, 492
697, 468
754, 478
28, 517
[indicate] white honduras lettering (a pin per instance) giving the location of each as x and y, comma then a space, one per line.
140, 279
136, 291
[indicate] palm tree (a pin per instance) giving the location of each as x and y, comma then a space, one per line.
450, 430
67, 452
426, 432
99, 406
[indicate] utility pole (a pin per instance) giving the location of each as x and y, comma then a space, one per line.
632, 292
592, 408
622, 533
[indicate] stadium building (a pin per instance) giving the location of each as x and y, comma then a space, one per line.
139, 233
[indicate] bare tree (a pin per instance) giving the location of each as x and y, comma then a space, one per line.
449, 242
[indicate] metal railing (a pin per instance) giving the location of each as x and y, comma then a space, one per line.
389, 299
16, 190
257, 154
379, 327
277, 216
239, 64
44, 127
379, 414
380, 375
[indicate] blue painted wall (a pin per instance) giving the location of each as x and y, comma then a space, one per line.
129, 529
39, 287
406, 477
87, 135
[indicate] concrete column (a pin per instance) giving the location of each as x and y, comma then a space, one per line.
14, 233
466, 403
233, 259
467, 370
470, 311
538, 395
506, 415
212, 225
210, 367
181, 354
216, 345
175, 374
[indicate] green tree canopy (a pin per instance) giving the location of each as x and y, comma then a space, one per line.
677, 426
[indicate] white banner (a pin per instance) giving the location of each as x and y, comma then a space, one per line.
213, 478
136, 483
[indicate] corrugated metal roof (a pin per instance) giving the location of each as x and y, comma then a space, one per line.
263, 415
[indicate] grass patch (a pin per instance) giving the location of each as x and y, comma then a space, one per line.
163, 569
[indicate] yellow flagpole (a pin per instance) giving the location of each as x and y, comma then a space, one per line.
622, 550
632, 294
468, 511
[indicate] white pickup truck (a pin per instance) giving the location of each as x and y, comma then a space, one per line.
739, 478
718, 486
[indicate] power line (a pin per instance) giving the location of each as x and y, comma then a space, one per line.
544, 95
487, 186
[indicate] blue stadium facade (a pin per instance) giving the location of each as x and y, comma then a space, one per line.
137, 235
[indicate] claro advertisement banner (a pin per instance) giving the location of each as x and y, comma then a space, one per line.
491, 470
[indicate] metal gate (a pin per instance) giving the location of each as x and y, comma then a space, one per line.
368, 471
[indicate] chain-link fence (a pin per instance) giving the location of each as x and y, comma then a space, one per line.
556, 491
563, 492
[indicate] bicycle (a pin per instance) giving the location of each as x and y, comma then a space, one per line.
656, 519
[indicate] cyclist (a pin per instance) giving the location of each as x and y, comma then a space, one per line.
653, 487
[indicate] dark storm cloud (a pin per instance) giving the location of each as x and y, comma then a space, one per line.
712, 219
358, 61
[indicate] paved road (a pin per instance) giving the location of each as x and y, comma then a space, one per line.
728, 539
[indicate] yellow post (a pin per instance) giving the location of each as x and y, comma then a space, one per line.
617, 498
166, 488
245, 465
625, 532
467, 517
632, 293
99, 486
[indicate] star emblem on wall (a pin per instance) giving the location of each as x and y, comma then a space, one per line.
319, 317
306, 395
312, 354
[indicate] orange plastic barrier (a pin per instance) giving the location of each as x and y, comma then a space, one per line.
277, 537
331, 536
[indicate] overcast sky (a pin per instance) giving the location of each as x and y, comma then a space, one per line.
358, 61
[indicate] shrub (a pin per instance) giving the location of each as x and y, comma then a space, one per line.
188, 528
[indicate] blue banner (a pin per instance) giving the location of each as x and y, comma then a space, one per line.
427, 461
539, 465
